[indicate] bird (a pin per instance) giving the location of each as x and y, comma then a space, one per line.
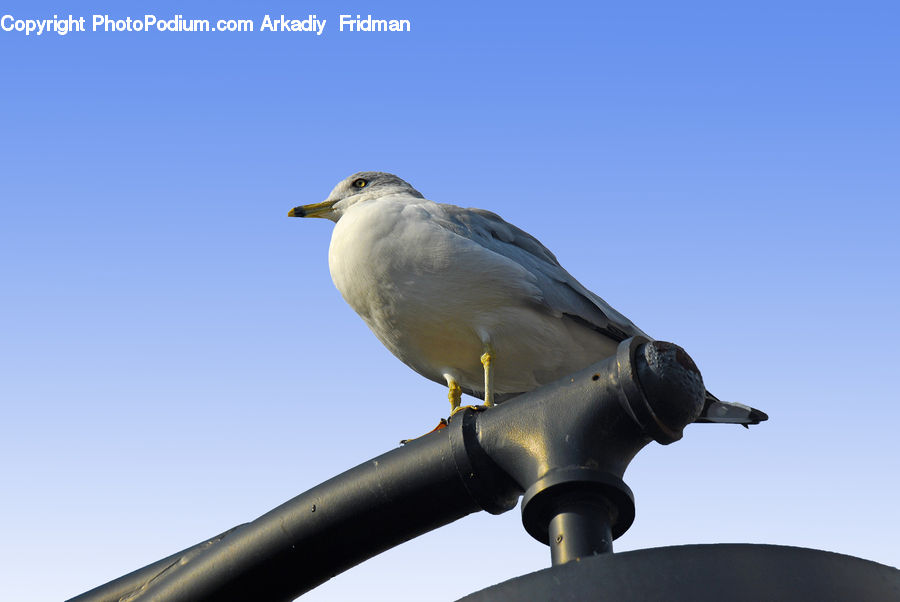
467, 299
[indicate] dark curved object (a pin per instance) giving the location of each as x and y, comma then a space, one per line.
318, 534
701, 573
564, 446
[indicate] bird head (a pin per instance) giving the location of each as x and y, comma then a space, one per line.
361, 186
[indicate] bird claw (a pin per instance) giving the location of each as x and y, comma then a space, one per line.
441, 425
446, 421
459, 409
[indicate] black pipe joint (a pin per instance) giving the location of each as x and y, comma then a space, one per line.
568, 458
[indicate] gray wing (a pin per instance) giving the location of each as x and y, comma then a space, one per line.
561, 293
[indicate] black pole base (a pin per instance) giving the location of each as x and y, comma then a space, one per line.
706, 573
578, 512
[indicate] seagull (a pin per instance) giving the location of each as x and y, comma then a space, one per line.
467, 299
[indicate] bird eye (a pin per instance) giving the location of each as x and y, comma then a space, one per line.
360, 183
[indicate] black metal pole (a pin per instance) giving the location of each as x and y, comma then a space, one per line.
580, 528
565, 446
318, 534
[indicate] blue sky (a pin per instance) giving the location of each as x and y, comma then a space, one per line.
174, 359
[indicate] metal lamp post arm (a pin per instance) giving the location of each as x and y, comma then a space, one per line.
564, 446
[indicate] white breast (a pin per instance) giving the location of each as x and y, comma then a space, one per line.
434, 299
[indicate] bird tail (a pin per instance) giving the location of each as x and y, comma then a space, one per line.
716, 410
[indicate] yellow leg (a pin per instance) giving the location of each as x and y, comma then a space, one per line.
486, 360
455, 396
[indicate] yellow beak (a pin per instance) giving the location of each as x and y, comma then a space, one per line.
314, 210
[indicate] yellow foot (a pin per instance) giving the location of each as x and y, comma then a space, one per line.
458, 409
486, 361
454, 394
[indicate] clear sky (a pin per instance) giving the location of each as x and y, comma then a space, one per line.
175, 360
